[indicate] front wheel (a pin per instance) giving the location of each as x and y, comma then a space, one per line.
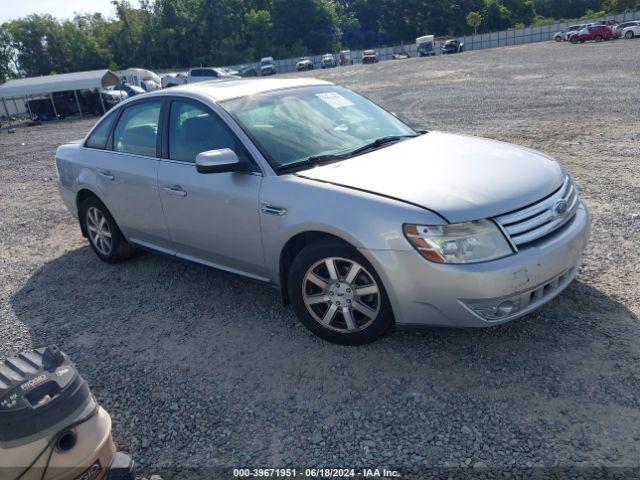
574, 40
337, 294
558, 38
628, 35
598, 38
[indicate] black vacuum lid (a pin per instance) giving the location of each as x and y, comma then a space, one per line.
38, 389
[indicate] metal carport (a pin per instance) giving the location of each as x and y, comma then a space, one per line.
24, 88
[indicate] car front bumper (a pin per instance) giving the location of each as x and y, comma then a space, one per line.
428, 293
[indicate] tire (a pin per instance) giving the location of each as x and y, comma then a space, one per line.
598, 38
91, 213
628, 35
574, 40
557, 38
368, 316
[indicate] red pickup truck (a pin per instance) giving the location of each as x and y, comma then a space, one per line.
592, 32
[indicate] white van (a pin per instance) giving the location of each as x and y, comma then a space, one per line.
145, 79
424, 45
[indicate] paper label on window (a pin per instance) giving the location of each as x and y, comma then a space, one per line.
334, 99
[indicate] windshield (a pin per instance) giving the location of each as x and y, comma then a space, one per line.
292, 125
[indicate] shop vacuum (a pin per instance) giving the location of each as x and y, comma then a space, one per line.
51, 427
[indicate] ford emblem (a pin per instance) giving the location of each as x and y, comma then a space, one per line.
561, 207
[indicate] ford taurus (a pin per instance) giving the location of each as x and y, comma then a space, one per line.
361, 221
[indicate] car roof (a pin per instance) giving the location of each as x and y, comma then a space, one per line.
223, 90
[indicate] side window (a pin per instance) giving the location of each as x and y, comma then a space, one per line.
209, 73
137, 129
98, 138
193, 130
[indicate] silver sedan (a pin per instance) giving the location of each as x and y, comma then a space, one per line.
360, 221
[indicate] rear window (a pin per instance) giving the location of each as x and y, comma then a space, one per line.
100, 134
137, 129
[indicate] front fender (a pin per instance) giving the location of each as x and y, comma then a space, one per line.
364, 220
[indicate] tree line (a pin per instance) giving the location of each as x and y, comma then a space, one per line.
166, 34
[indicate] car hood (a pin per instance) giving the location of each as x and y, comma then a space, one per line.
461, 178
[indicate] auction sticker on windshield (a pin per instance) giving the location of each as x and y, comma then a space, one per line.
334, 99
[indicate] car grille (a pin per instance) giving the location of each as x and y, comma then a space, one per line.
543, 218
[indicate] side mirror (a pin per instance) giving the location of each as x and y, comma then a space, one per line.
218, 161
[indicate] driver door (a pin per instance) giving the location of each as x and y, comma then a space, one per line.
212, 218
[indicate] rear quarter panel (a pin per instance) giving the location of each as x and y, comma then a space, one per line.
75, 173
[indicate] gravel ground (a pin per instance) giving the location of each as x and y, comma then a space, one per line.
203, 369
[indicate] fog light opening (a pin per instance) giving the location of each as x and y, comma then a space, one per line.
497, 309
504, 309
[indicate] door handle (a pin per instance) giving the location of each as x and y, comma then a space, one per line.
176, 190
106, 174
272, 209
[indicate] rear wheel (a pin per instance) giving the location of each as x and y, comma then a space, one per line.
103, 233
628, 35
574, 40
337, 294
598, 38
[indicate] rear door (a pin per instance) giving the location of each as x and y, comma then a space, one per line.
129, 173
212, 218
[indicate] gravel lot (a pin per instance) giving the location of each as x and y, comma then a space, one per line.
203, 369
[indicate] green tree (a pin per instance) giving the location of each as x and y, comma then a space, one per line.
310, 26
474, 20
496, 16
622, 5
7, 55
258, 33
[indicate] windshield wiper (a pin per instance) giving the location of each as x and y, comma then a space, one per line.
313, 160
379, 142
318, 159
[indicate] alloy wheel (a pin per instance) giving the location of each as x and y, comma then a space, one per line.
99, 232
341, 294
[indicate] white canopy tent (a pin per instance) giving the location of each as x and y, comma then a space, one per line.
23, 88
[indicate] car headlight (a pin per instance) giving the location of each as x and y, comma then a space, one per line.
468, 242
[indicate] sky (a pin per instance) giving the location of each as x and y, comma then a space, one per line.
12, 9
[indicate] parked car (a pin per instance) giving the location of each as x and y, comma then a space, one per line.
247, 71
597, 33
231, 71
304, 63
452, 46
631, 31
173, 79
401, 55
563, 35
132, 90
327, 61
206, 74
425, 46
267, 66
369, 56
317, 191
345, 58
617, 29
